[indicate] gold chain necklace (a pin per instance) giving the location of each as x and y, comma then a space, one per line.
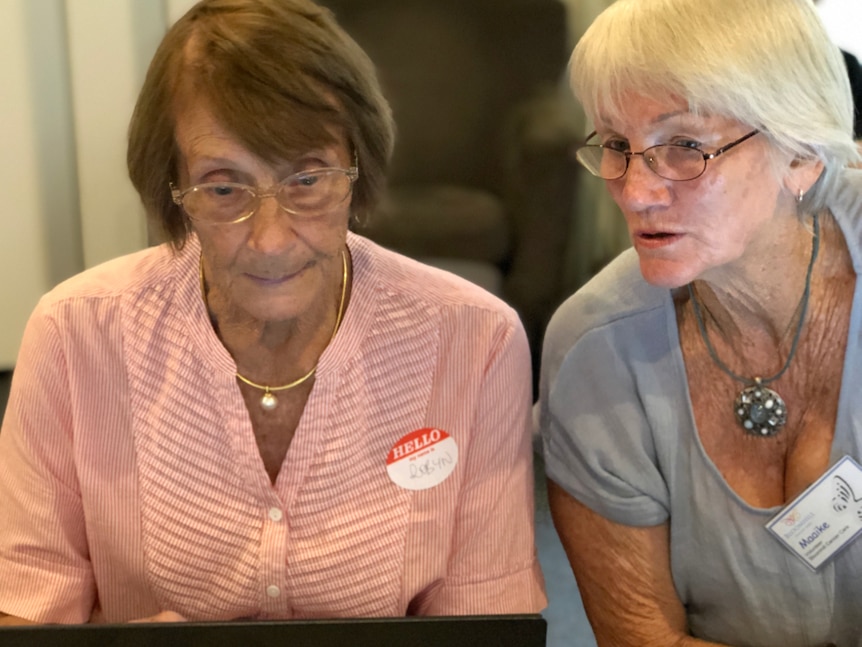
268, 401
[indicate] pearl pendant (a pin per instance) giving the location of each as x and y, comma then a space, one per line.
268, 401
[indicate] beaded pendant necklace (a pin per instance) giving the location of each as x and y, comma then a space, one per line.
759, 409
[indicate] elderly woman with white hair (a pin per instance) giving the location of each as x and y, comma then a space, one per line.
699, 401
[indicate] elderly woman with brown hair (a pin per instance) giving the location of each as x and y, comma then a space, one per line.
699, 402
268, 416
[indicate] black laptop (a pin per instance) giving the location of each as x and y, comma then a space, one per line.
450, 631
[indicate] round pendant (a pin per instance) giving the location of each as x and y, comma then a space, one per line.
268, 401
760, 411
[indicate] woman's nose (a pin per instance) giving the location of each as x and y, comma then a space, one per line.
641, 187
272, 228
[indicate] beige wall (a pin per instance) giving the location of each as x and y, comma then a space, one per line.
69, 73
39, 235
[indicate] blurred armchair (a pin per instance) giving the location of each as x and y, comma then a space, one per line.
482, 181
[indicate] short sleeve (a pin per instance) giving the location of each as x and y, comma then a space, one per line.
597, 439
47, 576
493, 567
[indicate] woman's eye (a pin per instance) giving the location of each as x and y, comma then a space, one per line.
617, 145
687, 143
307, 179
223, 191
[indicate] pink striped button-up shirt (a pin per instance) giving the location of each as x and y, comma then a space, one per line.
131, 482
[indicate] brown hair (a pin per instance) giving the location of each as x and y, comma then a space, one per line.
281, 75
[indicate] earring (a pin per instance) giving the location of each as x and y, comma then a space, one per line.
799, 196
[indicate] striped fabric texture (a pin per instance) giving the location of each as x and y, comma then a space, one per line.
131, 482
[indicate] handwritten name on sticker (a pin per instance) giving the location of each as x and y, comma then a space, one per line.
422, 459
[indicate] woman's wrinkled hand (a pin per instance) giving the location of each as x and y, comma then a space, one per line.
164, 616
13, 621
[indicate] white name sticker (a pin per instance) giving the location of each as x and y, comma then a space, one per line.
825, 518
422, 459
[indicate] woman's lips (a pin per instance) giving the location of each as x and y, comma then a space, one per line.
655, 239
271, 281
267, 282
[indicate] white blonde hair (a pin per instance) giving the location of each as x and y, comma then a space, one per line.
765, 63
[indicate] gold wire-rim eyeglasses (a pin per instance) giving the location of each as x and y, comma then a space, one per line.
253, 196
692, 162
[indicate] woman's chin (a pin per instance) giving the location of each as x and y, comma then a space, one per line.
666, 274
270, 310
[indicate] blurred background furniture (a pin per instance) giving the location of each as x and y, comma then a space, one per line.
482, 181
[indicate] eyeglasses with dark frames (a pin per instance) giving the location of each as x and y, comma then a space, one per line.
305, 195
670, 161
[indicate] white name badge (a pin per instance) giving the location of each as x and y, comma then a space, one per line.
825, 518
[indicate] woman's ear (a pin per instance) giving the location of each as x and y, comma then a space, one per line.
802, 175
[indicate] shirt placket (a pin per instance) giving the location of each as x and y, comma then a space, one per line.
274, 597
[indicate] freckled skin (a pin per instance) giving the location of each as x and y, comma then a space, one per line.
719, 219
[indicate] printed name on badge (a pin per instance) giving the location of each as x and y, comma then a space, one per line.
422, 459
825, 518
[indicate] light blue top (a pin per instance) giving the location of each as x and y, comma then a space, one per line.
619, 435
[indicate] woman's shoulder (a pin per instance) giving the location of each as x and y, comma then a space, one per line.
422, 286
117, 278
617, 294
846, 203
846, 206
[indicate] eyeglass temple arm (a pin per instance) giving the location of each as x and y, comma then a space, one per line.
727, 147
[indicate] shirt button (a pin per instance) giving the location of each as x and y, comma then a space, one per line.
275, 514
273, 591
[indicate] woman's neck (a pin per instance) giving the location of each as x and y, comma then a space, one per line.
761, 295
278, 350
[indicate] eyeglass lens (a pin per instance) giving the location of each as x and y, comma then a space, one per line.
306, 194
669, 161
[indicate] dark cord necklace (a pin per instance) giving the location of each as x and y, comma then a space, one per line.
759, 409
